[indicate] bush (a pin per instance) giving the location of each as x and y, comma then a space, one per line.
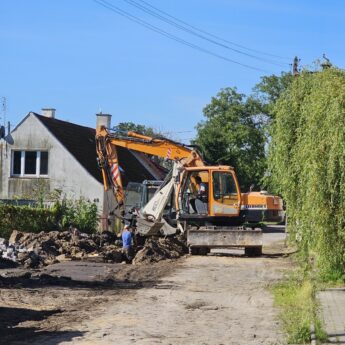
81, 214
307, 161
26, 218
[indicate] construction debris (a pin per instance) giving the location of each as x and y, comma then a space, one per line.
157, 249
35, 250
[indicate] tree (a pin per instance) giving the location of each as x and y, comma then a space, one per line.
307, 161
270, 88
142, 129
233, 134
149, 131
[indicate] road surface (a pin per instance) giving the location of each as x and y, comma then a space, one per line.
222, 298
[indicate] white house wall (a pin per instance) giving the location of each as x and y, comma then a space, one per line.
64, 171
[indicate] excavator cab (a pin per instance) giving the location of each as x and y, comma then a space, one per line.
194, 195
209, 195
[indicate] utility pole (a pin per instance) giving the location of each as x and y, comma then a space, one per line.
295, 70
3, 113
4, 148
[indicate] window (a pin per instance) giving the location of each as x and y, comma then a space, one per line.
30, 163
224, 186
16, 162
44, 163
195, 193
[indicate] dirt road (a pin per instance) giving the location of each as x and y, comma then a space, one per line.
216, 299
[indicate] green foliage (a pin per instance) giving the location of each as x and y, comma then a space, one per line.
296, 298
233, 134
26, 218
149, 131
81, 214
142, 129
297, 304
307, 161
271, 88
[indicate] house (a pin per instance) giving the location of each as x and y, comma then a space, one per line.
44, 153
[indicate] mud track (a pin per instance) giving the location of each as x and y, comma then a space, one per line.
216, 299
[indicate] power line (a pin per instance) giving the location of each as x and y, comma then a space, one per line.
195, 33
154, 28
212, 35
174, 132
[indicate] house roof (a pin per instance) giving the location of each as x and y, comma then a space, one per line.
80, 142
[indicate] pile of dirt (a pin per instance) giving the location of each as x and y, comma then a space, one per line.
157, 249
36, 250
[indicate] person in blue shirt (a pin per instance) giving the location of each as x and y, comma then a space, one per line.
127, 243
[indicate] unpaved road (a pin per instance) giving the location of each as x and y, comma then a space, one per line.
216, 299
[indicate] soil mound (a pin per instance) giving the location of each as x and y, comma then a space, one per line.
157, 249
35, 250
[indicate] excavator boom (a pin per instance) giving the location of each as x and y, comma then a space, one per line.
106, 143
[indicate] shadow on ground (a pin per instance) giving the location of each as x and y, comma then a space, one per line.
78, 275
43, 280
264, 255
10, 329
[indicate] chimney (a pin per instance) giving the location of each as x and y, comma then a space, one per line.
103, 120
49, 112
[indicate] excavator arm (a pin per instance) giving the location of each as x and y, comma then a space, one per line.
160, 147
106, 143
109, 164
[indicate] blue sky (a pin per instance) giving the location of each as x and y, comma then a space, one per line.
79, 57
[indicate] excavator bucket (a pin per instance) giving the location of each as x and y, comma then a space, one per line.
147, 228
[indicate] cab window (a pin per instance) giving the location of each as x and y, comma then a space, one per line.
224, 187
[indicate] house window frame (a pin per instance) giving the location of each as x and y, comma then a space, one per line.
22, 164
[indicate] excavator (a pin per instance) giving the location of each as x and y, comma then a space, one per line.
261, 206
256, 206
201, 201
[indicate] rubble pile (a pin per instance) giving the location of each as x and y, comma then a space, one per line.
157, 249
7, 255
35, 250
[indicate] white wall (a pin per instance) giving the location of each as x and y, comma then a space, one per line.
64, 171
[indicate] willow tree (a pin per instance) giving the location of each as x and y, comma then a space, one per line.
307, 162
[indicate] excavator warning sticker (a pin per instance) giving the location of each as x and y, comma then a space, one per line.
168, 156
115, 171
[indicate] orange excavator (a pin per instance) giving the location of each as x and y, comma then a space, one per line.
261, 206
201, 201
